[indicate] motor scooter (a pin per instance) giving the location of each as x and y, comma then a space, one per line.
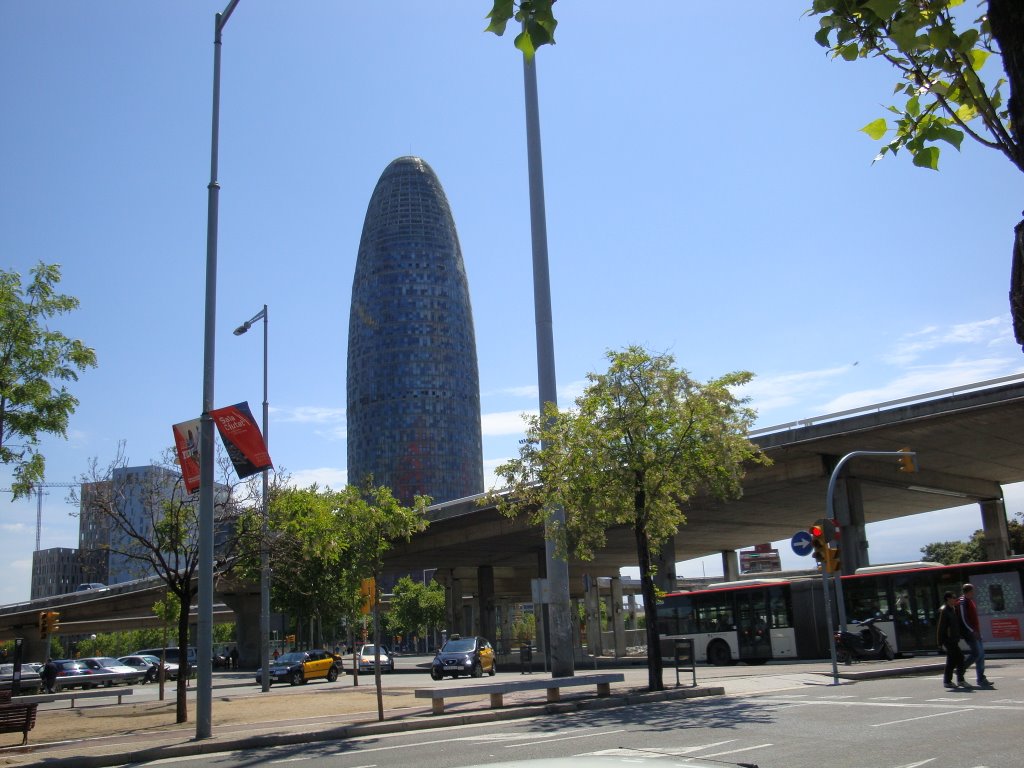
869, 642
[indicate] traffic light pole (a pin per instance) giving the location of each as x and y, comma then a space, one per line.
908, 463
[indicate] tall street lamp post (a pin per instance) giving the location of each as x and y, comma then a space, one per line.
264, 554
204, 681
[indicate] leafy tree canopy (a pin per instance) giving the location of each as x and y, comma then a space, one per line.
34, 359
973, 550
642, 440
939, 56
534, 16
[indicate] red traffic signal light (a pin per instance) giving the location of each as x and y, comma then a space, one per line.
816, 531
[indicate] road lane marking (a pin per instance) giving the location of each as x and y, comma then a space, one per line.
592, 734
660, 751
922, 717
735, 751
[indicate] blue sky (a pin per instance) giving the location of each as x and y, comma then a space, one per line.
708, 194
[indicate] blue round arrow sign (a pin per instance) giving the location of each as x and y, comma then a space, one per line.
802, 543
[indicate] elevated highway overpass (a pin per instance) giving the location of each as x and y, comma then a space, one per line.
969, 443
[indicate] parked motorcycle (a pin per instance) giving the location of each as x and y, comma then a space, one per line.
868, 642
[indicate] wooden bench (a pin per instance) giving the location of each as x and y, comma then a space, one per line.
93, 693
497, 691
16, 717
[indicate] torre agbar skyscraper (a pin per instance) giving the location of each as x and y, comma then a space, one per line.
413, 384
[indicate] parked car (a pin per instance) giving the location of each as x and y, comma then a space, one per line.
150, 665
173, 655
72, 673
366, 657
107, 665
464, 656
31, 682
301, 667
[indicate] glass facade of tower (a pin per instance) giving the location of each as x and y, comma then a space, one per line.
413, 415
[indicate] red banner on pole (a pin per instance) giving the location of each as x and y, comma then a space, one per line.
186, 443
242, 438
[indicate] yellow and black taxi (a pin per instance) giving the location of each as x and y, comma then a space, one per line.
464, 656
299, 667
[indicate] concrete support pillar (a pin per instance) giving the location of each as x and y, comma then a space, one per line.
246, 605
593, 608
997, 533
730, 565
485, 583
453, 608
505, 622
665, 566
617, 617
848, 507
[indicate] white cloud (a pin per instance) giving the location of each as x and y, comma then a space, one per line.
323, 476
503, 423
785, 390
309, 414
922, 380
980, 333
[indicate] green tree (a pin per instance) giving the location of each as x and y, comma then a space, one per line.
34, 359
375, 520
309, 534
642, 440
416, 608
973, 550
332, 541
939, 55
153, 525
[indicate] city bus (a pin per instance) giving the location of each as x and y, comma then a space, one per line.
784, 618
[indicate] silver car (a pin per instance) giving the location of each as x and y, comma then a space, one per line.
118, 673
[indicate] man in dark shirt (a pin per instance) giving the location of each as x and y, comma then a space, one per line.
972, 633
948, 633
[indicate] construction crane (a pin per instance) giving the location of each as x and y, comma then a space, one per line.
37, 489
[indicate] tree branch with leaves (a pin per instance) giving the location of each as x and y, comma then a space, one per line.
940, 54
34, 359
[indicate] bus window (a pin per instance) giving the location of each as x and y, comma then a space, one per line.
781, 610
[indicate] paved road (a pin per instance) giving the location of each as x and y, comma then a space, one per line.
905, 722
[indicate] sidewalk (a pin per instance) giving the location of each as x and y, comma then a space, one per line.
245, 718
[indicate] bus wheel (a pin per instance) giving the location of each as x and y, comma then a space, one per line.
719, 654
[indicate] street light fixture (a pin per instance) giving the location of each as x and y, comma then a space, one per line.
264, 554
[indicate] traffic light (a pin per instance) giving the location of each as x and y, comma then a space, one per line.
908, 461
832, 560
817, 531
49, 623
367, 589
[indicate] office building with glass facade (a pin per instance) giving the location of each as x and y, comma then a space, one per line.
413, 415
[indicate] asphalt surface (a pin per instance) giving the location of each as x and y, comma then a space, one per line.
99, 732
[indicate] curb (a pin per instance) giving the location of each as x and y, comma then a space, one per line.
215, 745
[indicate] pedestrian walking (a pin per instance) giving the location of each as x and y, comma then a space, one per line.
233, 658
972, 634
948, 634
49, 675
